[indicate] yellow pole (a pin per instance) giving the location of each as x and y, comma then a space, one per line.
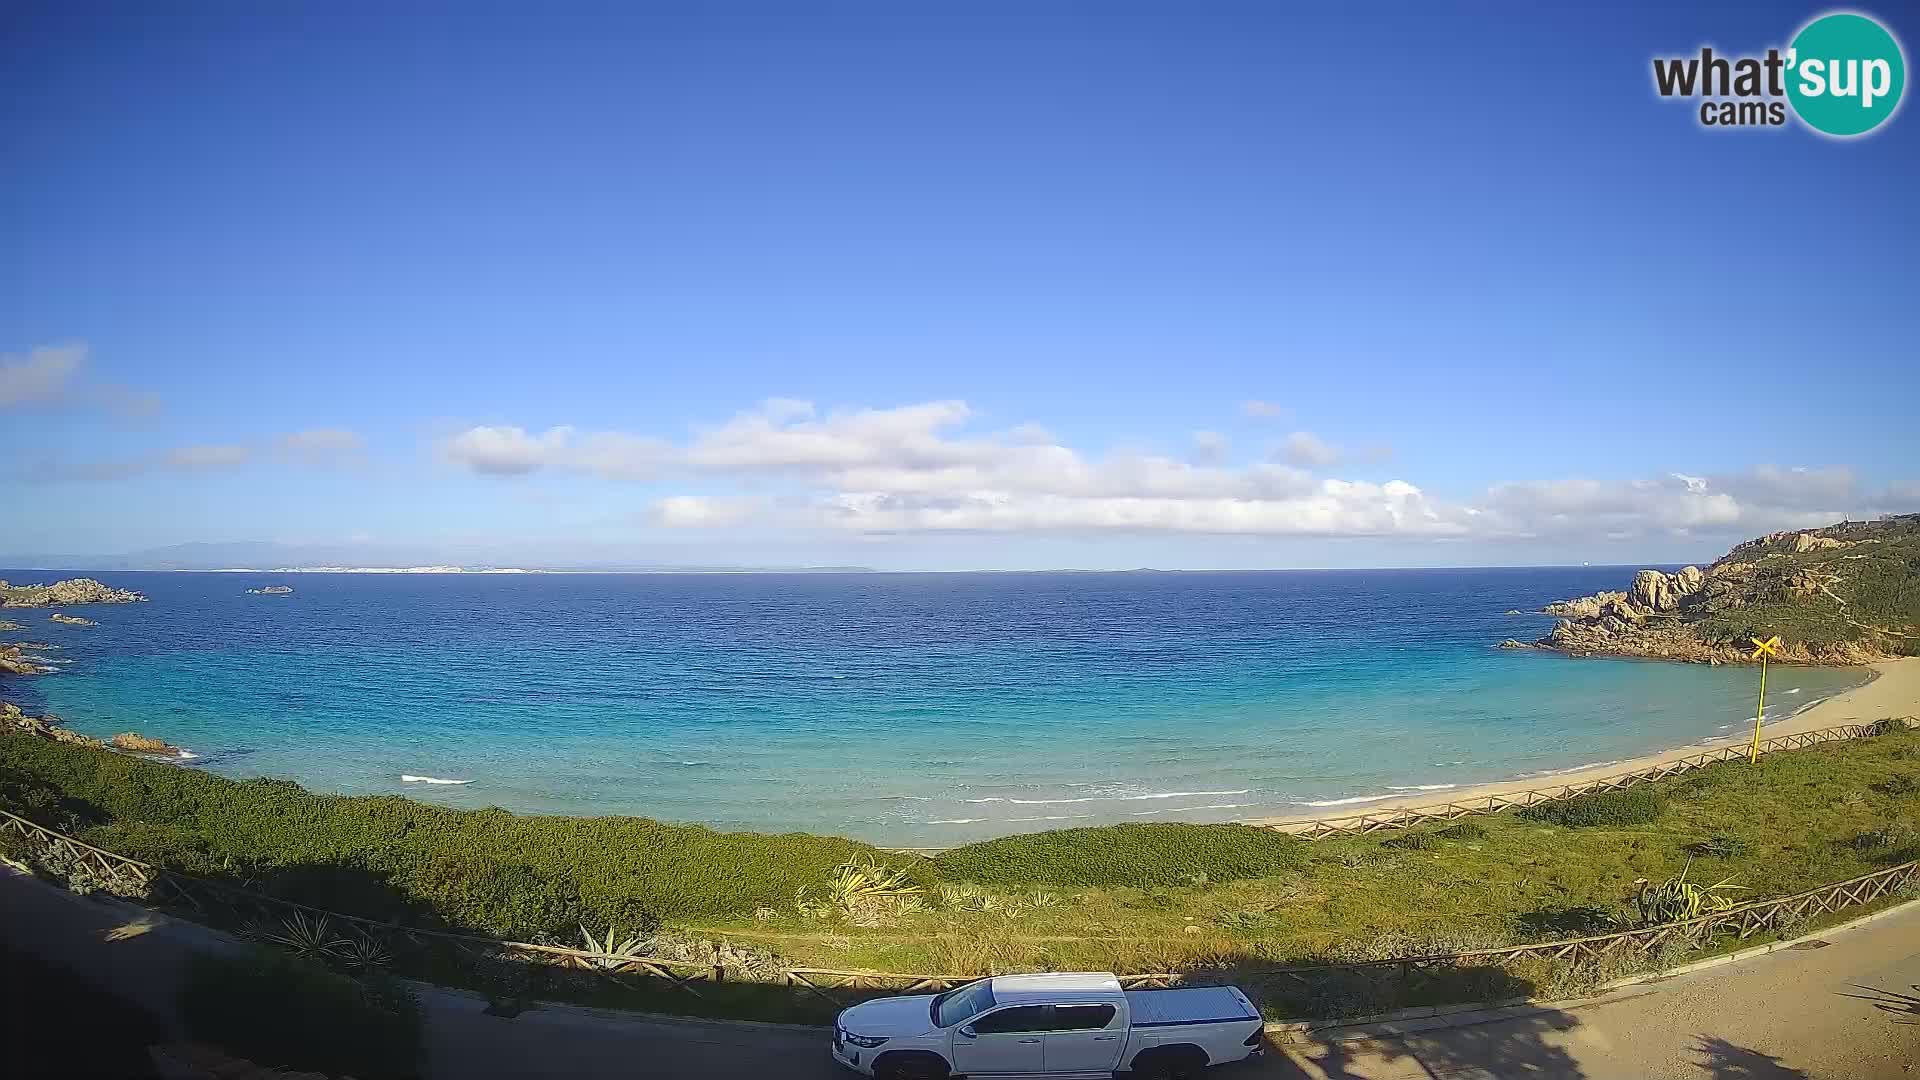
1753, 755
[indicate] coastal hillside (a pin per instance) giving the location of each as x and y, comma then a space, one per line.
1845, 594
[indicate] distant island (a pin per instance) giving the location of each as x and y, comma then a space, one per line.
271, 590
1845, 594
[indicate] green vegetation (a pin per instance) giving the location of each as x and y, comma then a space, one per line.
522, 877
274, 1009
1635, 806
1230, 899
1866, 590
1138, 855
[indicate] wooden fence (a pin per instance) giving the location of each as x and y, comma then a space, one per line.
1407, 817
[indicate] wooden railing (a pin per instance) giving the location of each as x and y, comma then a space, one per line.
1409, 816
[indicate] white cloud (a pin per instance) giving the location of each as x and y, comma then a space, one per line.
51, 375
1306, 449
701, 511
41, 375
221, 456
321, 446
1262, 410
918, 468
1209, 448
506, 451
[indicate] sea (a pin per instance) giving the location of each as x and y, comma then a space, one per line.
914, 710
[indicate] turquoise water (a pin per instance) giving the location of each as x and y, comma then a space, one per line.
909, 709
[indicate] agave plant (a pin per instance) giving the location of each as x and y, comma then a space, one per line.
615, 952
362, 954
1678, 898
305, 935
855, 883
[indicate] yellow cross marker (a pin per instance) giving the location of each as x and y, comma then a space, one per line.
1761, 650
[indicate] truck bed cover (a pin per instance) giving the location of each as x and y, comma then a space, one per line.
1188, 1005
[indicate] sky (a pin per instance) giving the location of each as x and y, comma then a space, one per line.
938, 286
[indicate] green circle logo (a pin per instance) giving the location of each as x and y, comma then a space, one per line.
1845, 74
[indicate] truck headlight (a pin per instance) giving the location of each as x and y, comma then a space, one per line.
868, 1041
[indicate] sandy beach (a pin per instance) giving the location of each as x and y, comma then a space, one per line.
1894, 690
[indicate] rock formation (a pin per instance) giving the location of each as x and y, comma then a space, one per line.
15, 722
271, 590
71, 620
15, 662
5, 625
142, 744
1827, 608
65, 594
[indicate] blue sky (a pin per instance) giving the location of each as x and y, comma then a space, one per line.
1213, 285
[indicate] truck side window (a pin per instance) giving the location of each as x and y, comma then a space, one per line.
1080, 1017
1018, 1018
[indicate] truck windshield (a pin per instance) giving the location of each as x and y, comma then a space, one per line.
962, 1003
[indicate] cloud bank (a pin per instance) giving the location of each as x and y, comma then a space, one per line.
920, 468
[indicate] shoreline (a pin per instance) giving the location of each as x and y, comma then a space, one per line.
1892, 690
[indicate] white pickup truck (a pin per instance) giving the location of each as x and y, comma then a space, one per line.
1059, 1025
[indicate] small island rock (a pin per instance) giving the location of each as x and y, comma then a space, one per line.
271, 590
133, 740
72, 620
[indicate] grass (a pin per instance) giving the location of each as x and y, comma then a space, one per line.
1215, 898
1161, 854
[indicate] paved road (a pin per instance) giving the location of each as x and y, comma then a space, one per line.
1848, 1010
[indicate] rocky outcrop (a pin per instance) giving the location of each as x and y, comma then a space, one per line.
5, 625
142, 744
72, 620
15, 722
1513, 643
1585, 607
1828, 608
271, 590
15, 662
65, 594
1657, 592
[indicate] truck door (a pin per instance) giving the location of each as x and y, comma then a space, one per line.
1005, 1042
1084, 1039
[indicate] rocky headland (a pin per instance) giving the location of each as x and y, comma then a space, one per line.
69, 593
1845, 594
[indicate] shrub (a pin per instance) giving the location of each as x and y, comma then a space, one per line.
382, 857
276, 1010
1464, 831
1638, 806
1163, 854
1718, 847
1899, 786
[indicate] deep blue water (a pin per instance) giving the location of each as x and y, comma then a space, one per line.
902, 708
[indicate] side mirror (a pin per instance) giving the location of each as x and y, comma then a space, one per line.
967, 1032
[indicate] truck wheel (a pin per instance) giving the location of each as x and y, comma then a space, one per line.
907, 1065
1170, 1063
